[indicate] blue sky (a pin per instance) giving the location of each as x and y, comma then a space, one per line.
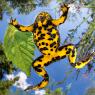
57, 69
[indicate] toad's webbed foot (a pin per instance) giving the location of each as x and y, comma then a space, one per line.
13, 22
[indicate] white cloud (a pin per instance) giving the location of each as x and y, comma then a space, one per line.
21, 83
40, 92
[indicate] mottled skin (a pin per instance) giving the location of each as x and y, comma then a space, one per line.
47, 39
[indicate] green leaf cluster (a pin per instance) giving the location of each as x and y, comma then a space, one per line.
5, 85
87, 43
19, 48
5, 65
58, 91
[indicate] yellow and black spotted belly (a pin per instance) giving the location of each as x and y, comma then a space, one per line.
47, 39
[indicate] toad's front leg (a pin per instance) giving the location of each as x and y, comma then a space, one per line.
20, 27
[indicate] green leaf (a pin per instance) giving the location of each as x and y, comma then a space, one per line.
19, 48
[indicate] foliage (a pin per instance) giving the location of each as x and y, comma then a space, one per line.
90, 91
23, 6
26, 6
58, 91
19, 48
4, 8
87, 43
5, 85
5, 65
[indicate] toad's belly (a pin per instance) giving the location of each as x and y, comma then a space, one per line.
47, 41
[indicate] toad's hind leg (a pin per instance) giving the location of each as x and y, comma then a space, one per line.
70, 52
38, 66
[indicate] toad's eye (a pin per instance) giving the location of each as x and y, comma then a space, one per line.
41, 17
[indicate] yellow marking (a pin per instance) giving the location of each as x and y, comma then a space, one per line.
64, 9
30, 28
45, 22
61, 53
43, 31
82, 64
39, 24
59, 21
44, 84
22, 28
72, 59
49, 27
54, 31
42, 73
15, 22
62, 17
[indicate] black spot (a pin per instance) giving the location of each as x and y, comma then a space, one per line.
48, 53
66, 48
33, 64
40, 28
68, 51
46, 64
46, 75
50, 38
78, 63
51, 45
40, 38
57, 58
53, 59
37, 69
45, 26
39, 64
84, 60
65, 13
39, 44
40, 60
51, 49
44, 48
43, 43
54, 46
60, 48
63, 56
40, 57
42, 35
39, 84
49, 22
25, 30
50, 30
49, 33
17, 26
73, 53
39, 32
53, 35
